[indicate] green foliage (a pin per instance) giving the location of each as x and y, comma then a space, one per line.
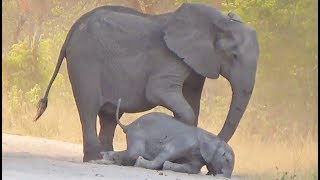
15, 99
314, 175
33, 95
193, 1
17, 62
28, 74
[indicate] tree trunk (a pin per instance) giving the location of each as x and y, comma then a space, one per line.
22, 20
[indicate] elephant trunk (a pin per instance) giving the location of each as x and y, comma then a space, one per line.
236, 111
240, 71
242, 87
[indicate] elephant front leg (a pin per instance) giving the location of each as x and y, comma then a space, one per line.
169, 95
181, 109
192, 90
183, 168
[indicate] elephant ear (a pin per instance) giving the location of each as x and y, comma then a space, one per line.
190, 33
209, 146
206, 152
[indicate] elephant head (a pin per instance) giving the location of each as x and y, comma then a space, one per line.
218, 155
214, 44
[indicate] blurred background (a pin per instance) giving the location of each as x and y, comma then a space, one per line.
277, 137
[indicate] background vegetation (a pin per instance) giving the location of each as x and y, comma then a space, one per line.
277, 136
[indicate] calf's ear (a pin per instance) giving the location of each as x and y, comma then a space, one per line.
206, 152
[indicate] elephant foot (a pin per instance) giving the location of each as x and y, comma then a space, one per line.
92, 156
167, 165
141, 162
102, 161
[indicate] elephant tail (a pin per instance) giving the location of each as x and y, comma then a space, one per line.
42, 104
123, 127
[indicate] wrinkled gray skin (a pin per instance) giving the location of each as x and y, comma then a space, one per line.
159, 141
152, 60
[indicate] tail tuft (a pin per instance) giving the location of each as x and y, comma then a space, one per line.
42, 106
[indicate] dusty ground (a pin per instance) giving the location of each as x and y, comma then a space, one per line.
36, 158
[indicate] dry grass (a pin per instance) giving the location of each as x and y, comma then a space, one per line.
273, 159
254, 159
257, 156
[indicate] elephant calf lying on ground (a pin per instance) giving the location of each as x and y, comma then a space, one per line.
159, 141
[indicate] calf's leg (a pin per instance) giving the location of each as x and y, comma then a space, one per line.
183, 168
170, 152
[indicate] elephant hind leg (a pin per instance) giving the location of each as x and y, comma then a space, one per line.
171, 151
91, 143
108, 126
85, 81
183, 168
156, 163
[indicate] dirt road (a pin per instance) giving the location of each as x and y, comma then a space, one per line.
31, 158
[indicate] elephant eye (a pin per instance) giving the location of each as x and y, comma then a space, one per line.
234, 55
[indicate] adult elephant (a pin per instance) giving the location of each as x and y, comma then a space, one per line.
116, 52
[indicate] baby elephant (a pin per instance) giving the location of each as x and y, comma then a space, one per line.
159, 141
